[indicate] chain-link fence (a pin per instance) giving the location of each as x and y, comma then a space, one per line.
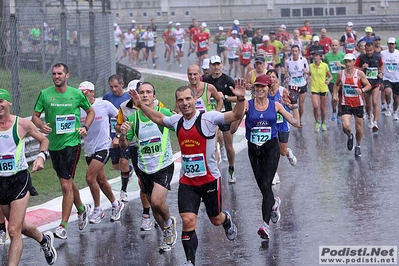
30, 45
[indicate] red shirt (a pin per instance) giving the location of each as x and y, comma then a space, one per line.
270, 53
326, 43
245, 55
202, 40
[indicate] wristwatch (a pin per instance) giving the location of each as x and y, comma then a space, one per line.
118, 136
226, 97
86, 127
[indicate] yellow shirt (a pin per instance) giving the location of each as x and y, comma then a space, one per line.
319, 77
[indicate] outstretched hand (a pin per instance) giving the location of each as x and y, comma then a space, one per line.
239, 87
134, 95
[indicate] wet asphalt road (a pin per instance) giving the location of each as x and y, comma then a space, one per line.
329, 198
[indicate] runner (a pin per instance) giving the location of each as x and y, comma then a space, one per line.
180, 35
201, 41
321, 77
149, 39
97, 145
127, 40
222, 83
16, 184
126, 109
263, 148
155, 160
335, 61
200, 176
62, 124
208, 98
270, 50
257, 40
245, 53
169, 39
119, 158
297, 67
348, 41
354, 83
219, 39
390, 58
325, 41
231, 45
371, 64
280, 94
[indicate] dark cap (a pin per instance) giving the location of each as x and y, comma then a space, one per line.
317, 52
272, 32
377, 37
259, 59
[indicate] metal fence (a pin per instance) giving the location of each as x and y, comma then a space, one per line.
30, 45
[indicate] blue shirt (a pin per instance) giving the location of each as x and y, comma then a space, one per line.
255, 118
116, 101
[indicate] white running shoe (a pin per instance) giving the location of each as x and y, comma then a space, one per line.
395, 116
116, 211
83, 218
146, 223
276, 179
60, 232
291, 157
97, 216
123, 196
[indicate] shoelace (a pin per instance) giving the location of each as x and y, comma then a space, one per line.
46, 249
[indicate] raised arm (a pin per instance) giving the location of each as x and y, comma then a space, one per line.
238, 110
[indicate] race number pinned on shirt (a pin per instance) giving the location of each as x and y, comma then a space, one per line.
334, 68
203, 44
372, 73
391, 67
194, 165
113, 124
297, 80
260, 135
151, 147
65, 124
7, 163
350, 90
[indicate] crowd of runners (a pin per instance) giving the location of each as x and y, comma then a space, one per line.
267, 79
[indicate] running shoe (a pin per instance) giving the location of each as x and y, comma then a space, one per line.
232, 177
349, 144
97, 216
388, 112
375, 126
116, 211
3, 237
395, 116
370, 123
123, 196
323, 127
60, 232
187, 263
317, 127
170, 233
48, 248
275, 214
276, 179
164, 247
339, 120
334, 117
229, 227
264, 231
146, 223
223, 154
83, 218
291, 157
358, 153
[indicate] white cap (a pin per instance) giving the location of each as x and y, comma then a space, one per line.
316, 38
132, 84
391, 40
205, 63
133, 21
234, 32
86, 85
170, 22
236, 22
45, 24
283, 26
215, 59
115, 25
203, 24
350, 24
220, 28
177, 24
350, 57
265, 38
